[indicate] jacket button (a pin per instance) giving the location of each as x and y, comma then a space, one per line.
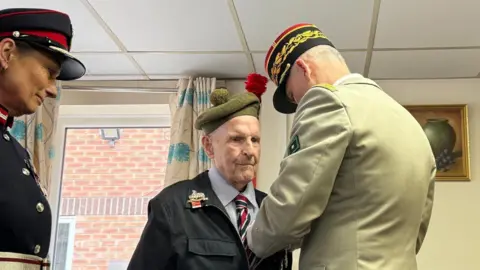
6, 137
36, 250
25, 171
40, 207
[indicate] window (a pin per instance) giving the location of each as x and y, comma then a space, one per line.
111, 165
64, 243
118, 265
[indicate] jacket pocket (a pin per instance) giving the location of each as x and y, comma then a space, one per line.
209, 247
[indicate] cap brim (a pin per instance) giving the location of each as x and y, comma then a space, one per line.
281, 102
72, 68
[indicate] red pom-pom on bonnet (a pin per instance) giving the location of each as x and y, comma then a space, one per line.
256, 84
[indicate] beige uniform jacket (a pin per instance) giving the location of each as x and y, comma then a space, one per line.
355, 186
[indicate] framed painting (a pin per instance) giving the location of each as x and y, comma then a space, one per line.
446, 127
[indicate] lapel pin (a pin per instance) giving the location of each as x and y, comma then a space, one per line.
196, 198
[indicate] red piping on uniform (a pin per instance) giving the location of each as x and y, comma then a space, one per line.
57, 37
5, 119
32, 12
24, 261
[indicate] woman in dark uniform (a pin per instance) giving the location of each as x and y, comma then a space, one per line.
34, 53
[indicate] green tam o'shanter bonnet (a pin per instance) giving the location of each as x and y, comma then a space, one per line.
226, 106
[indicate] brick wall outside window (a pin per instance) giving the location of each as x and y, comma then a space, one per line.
107, 190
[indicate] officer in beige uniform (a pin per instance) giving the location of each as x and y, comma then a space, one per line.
355, 188
34, 53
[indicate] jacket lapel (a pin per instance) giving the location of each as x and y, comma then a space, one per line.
259, 196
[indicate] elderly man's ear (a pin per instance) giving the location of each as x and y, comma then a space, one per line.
208, 146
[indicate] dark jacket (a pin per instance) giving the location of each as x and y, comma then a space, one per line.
26, 219
177, 237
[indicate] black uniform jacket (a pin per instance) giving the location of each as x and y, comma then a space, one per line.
179, 237
25, 215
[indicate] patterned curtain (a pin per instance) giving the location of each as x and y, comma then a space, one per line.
35, 132
186, 157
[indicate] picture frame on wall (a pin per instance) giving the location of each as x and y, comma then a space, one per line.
446, 127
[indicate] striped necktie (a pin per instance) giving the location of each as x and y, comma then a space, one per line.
243, 217
243, 221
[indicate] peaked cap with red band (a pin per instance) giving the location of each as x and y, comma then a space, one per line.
46, 30
281, 56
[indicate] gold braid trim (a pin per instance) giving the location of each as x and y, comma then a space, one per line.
289, 47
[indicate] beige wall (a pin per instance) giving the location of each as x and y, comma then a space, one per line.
453, 241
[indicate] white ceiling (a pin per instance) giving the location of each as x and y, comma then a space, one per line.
167, 39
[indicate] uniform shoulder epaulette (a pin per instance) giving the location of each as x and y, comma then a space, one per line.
327, 86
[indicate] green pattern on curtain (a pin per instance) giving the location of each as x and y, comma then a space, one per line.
186, 156
35, 132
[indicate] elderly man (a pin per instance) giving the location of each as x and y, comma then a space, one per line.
201, 223
356, 184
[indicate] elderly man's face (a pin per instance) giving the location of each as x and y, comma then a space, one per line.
235, 149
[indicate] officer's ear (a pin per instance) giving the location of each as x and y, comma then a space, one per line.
303, 66
7, 50
207, 144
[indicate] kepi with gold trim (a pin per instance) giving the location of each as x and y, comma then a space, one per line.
281, 56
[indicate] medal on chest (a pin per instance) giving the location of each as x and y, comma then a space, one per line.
196, 199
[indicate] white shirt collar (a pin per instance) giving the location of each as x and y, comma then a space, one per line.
346, 77
226, 192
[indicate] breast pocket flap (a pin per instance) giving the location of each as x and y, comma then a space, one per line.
208, 247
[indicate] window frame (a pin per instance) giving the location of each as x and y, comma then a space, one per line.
96, 116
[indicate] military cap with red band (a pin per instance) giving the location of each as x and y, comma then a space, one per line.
281, 56
47, 30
